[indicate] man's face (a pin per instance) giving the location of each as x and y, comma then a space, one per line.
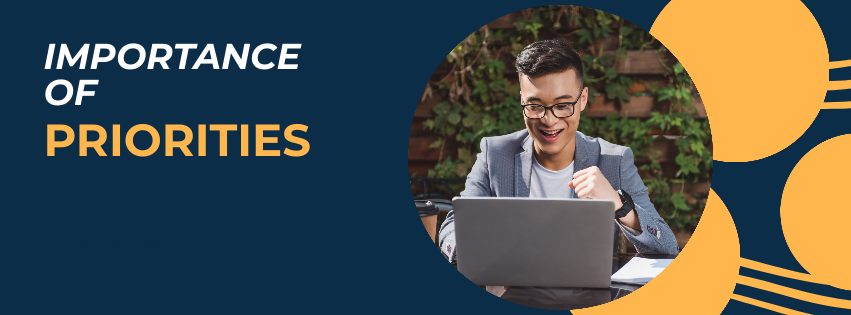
551, 134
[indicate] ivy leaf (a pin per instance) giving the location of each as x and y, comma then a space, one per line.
585, 37
687, 165
686, 95
468, 136
487, 120
479, 88
693, 168
439, 121
665, 93
534, 27
469, 121
623, 96
453, 118
499, 66
655, 119
606, 31
678, 68
441, 108
679, 201
697, 148
449, 130
612, 73
607, 60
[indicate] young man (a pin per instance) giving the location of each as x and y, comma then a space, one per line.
550, 159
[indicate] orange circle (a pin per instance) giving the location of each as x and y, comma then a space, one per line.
711, 259
813, 211
761, 69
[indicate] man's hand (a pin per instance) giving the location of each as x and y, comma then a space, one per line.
591, 184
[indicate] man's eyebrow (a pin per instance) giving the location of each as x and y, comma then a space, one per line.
564, 97
532, 99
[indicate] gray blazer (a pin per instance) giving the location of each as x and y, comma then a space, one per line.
504, 169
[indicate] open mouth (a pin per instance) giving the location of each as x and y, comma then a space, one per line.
550, 135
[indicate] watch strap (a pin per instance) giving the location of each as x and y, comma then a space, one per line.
622, 212
627, 205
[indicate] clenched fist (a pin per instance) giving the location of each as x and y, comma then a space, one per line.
591, 184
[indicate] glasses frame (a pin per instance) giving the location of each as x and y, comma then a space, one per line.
550, 108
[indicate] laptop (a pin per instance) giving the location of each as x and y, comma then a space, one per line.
535, 242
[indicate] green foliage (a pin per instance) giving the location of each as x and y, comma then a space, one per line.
631, 132
481, 102
447, 168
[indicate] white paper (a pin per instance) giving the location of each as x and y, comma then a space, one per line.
640, 270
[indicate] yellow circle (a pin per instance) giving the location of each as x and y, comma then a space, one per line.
814, 211
711, 259
760, 67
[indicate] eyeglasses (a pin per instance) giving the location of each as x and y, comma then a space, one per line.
560, 110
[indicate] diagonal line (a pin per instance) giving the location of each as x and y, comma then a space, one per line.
836, 105
795, 294
839, 64
839, 85
768, 306
777, 271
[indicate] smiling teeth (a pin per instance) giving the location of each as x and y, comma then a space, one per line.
550, 132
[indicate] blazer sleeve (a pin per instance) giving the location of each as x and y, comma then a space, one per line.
478, 184
655, 237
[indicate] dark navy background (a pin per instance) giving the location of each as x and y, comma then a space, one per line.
332, 230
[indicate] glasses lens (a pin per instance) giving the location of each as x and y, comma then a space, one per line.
534, 111
563, 110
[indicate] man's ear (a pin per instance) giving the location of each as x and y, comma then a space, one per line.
584, 99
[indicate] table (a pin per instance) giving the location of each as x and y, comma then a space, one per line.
573, 298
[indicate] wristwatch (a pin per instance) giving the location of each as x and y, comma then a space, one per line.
628, 205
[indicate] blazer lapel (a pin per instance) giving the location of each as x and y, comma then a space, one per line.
580, 157
523, 171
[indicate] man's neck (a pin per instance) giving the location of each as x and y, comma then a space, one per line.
559, 161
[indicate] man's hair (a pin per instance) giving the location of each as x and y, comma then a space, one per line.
547, 57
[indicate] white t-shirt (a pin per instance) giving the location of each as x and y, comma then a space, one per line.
553, 184
550, 184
